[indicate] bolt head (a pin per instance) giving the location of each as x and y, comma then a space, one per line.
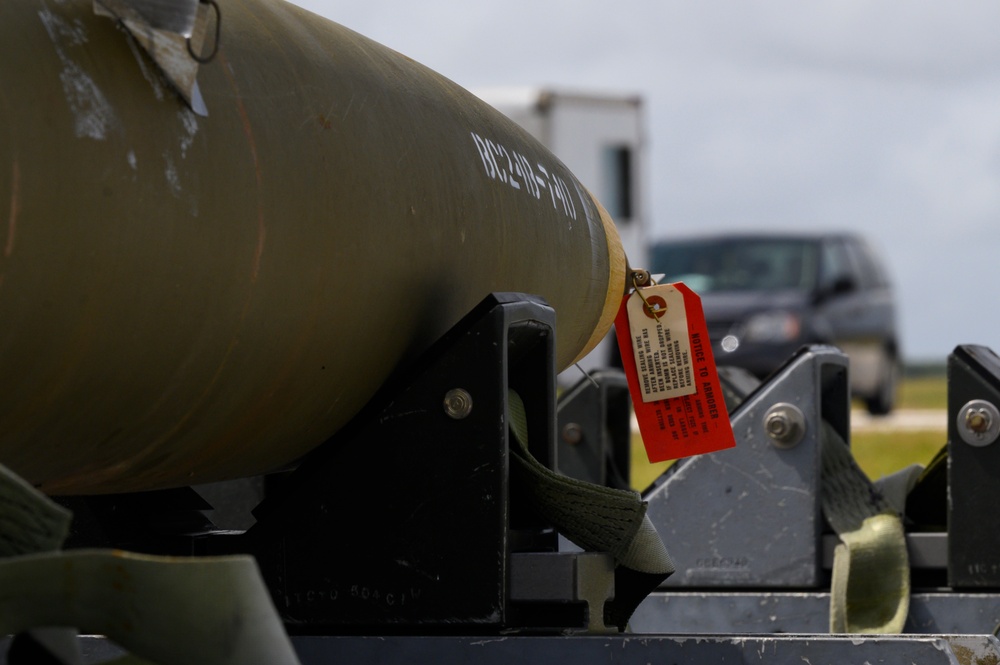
572, 433
457, 403
777, 425
785, 424
977, 420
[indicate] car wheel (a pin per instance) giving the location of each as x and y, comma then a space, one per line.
884, 399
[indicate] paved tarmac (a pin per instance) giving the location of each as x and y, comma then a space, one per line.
900, 420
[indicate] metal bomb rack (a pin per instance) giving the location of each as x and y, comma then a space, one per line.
440, 559
407, 519
755, 555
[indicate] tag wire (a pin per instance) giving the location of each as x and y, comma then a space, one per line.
645, 279
586, 374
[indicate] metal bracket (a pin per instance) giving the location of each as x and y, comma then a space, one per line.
725, 603
713, 511
594, 442
555, 591
430, 543
973, 467
406, 517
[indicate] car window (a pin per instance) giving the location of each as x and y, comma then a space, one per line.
836, 264
739, 264
870, 273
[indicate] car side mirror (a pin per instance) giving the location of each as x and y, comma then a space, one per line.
841, 285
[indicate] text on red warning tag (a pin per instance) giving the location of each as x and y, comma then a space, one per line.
660, 343
678, 420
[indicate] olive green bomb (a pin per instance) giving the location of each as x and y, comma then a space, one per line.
188, 297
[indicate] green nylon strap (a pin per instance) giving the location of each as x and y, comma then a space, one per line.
896, 487
596, 518
870, 587
164, 610
169, 611
30, 522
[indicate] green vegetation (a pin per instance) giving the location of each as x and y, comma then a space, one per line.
878, 452
920, 391
644, 473
924, 392
882, 453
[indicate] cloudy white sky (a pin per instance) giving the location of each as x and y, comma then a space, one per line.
881, 116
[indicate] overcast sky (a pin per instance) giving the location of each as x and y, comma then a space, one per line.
881, 116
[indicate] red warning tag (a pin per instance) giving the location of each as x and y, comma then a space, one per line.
671, 373
657, 322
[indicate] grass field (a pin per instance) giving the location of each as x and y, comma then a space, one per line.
881, 453
924, 392
877, 452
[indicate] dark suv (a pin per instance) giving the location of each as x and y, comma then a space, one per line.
765, 295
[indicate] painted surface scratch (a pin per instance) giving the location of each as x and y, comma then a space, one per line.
173, 180
147, 73
93, 115
252, 144
190, 122
199, 403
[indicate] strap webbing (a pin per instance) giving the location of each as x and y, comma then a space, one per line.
30, 522
168, 610
596, 518
870, 588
